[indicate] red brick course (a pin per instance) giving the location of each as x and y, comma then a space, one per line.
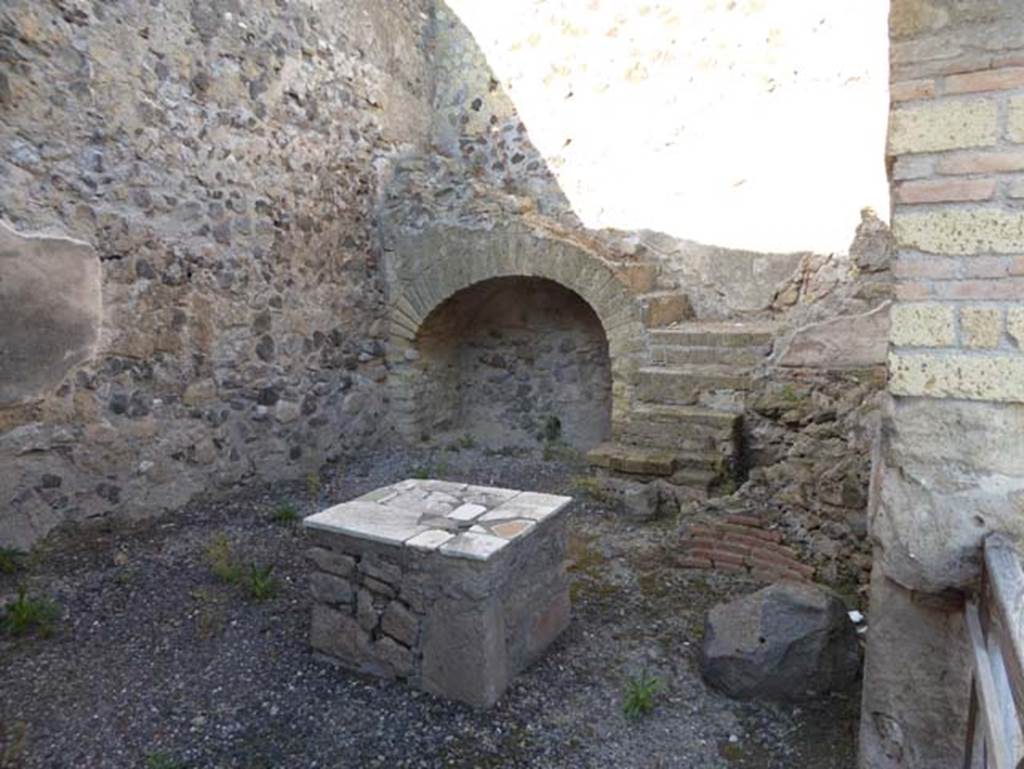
945, 190
740, 543
986, 80
934, 267
743, 520
993, 267
998, 289
912, 89
982, 162
911, 291
1001, 288
749, 531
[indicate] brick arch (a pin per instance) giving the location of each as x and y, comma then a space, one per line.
433, 268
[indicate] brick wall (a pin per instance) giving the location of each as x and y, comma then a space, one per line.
956, 146
949, 468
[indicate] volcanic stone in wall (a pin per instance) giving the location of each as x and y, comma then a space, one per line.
50, 307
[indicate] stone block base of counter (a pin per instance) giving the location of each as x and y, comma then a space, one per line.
450, 587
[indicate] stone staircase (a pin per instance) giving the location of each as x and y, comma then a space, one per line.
685, 424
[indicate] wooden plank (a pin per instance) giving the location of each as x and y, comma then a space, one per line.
972, 726
1005, 585
997, 744
1011, 722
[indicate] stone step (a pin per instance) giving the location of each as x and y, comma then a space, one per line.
632, 459
638, 460
700, 480
684, 384
680, 355
722, 334
691, 416
685, 484
687, 428
704, 461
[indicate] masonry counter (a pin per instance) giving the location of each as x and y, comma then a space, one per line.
451, 587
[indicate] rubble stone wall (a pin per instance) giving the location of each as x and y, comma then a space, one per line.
515, 362
215, 165
265, 204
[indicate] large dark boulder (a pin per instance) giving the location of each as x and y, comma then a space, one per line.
789, 641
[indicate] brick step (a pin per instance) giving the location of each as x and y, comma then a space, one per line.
741, 543
684, 384
722, 334
687, 428
680, 355
639, 460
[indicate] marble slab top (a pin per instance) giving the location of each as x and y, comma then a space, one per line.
457, 519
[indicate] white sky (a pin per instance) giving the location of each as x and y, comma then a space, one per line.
754, 124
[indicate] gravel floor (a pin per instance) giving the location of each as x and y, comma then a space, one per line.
156, 664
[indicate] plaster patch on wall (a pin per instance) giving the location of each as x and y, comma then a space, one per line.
50, 311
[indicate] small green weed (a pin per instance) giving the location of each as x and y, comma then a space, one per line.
441, 467
10, 560
556, 451
257, 581
285, 514
12, 751
727, 487
506, 451
583, 555
587, 565
465, 441
26, 614
638, 697
210, 617
261, 583
161, 760
593, 488
313, 484
730, 752
437, 469
221, 560
789, 393
552, 429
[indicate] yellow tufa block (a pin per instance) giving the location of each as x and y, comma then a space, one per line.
922, 324
944, 125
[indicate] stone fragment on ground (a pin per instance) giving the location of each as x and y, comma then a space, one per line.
789, 641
